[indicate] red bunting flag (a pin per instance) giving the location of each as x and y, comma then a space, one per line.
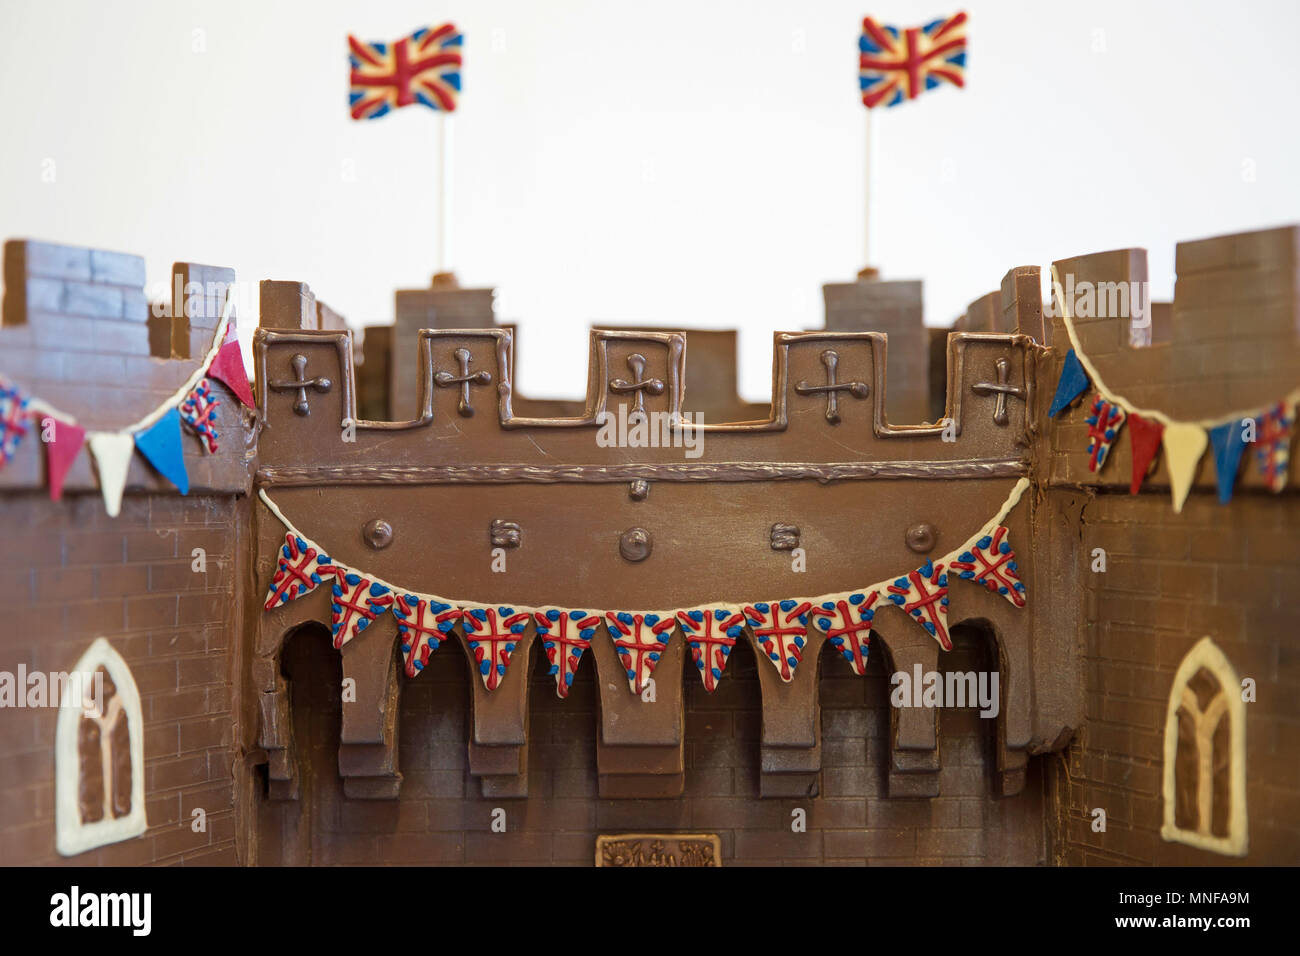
61, 450
1144, 435
228, 366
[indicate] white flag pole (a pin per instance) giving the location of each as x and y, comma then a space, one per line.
444, 193
866, 193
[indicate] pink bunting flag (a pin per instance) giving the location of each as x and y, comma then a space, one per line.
61, 450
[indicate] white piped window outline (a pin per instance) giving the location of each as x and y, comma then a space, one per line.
72, 835
1226, 704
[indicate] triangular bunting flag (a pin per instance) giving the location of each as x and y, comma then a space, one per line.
357, 601
845, 619
160, 443
992, 563
1184, 444
13, 419
199, 412
1228, 447
1104, 425
492, 634
1144, 441
711, 633
781, 627
924, 595
423, 623
112, 451
1071, 384
640, 640
299, 570
565, 635
60, 452
1273, 433
228, 366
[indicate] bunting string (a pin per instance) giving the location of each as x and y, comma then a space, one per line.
1270, 427
710, 628
156, 436
1151, 414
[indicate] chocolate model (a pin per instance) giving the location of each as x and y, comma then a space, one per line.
510, 681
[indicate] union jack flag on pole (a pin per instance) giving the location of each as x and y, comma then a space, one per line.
896, 65
422, 68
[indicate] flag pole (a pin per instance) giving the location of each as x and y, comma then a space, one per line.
866, 194
444, 195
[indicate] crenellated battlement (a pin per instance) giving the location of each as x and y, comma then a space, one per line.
827, 417
1230, 340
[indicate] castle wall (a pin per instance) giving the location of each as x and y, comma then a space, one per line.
77, 334
1227, 342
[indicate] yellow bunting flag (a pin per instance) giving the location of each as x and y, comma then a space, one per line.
1184, 444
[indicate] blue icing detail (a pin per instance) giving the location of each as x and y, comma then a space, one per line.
336, 608
553, 670
287, 553
736, 631
929, 627
484, 667
719, 615
445, 626
857, 598
982, 544
792, 661
623, 617
479, 613
824, 624
553, 615
568, 678
418, 666
899, 583
353, 579
943, 580
506, 611
549, 645
336, 590
510, 648
411, 599
828, 605
577, 614
966, 556
896, 598
1002, 590
772, 655
700, 664
378, 590
651, 619
631, 675
763, 607
696, 616
501, 669
848, 655
798, 641
715, 672
653, 655
928, 568
787, 605
1004, 548
519, 628
958, 59
586, 633
931, 82
868, 614
323, 559
363, 624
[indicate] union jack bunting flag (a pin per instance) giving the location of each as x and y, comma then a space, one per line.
199, 412
422, 626
896, 65
422, 68
565, 635
992, 563
492, 634
781, 628
357, 601
1273, 432
924, 595
640, 640
299, 570
711, 633
1103, 428
846, 621
13, 419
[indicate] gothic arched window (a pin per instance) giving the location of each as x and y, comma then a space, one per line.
1205, 754
98, 754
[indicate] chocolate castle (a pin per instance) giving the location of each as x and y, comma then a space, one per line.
1118, 735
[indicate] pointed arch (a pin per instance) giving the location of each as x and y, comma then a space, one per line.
1205, 755
98, 754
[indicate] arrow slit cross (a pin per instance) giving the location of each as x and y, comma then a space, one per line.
832, 388
1002, 388
465, 379
301, 383
639, 386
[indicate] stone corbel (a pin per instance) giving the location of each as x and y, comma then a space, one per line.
639, 746
498, 742
790, 755
913, 731
368, 738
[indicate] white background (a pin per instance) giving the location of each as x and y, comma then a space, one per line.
674, 163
